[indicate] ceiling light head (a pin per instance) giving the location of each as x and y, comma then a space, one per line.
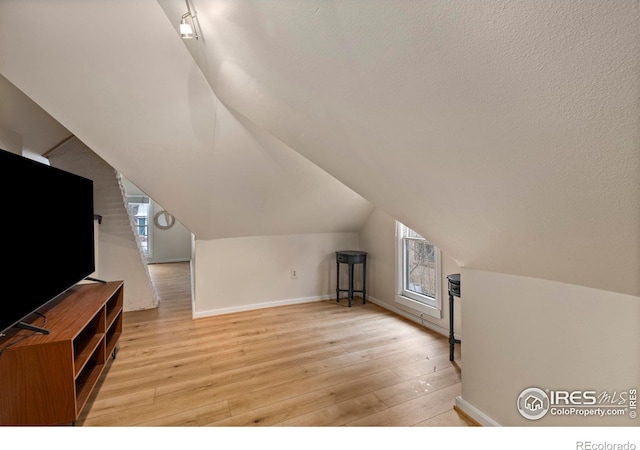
188, 28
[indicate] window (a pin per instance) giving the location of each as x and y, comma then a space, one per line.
139, 208
418, 274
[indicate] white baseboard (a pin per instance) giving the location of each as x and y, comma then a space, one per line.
234, 309
421, 321
169, 260
475, 413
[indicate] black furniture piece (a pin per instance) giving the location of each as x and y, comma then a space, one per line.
352, 257
454, 290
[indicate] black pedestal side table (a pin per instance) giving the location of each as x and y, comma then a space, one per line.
352, 257
454, 289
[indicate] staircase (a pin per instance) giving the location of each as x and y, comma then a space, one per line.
119, 255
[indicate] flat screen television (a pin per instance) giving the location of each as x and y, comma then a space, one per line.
47, 232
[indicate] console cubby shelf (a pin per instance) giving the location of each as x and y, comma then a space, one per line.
47, 379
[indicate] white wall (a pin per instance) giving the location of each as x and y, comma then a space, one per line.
10, 141
172, 245
38, 131
523, 332
245, 273
378, 238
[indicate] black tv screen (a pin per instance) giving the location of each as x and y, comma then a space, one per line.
47, 231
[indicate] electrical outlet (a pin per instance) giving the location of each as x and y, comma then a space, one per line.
294, 274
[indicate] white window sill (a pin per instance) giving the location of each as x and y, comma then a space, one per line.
421, 308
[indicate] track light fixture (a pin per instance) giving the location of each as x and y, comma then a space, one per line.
188, 28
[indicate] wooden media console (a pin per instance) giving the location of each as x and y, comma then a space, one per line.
46, 379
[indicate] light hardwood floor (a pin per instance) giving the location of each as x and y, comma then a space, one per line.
313, 364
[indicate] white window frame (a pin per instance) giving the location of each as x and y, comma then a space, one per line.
421, 304
142, 199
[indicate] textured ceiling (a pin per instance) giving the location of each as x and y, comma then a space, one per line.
507, 132
138, 100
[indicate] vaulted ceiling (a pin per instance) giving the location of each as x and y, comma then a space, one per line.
505, 131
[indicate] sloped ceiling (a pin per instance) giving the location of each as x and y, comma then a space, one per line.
130, 90
507, 132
